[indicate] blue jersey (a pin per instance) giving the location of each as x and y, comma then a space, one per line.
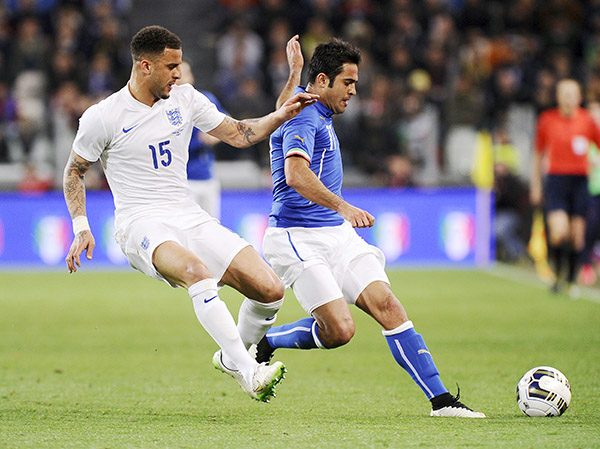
202, 157
309, 135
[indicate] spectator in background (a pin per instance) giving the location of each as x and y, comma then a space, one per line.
317, 30
71, 33
32, 114
563, 137
110, 43
520, 16
419, 131
466, 105
474, 14
64, 68
376, 126
544, 96
511, 219
203, 181
240, 52
276, 72
67, 104
8, 115
101, 80
31, 49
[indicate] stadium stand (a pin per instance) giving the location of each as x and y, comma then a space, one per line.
435, 73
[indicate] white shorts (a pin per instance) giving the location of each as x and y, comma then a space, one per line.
323, 264
212, 242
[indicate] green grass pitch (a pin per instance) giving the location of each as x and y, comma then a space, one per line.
117, 360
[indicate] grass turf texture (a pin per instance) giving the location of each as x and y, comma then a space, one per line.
117, 360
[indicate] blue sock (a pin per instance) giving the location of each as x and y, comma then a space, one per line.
411, 353
302, 334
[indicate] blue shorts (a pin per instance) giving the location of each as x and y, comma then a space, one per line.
568, 193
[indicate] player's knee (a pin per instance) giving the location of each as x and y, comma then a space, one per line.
390, 305
389, 311
394, 311
273, 290
339, 334
195, 271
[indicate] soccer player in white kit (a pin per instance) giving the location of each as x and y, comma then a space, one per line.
141, 136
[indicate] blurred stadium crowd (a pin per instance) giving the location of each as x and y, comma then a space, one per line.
436, 77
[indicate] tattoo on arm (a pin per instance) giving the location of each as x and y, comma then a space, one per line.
244, 129
73, 185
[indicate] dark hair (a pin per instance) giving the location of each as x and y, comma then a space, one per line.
329, 59
152, 41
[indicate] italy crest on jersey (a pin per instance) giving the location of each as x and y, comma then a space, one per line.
174, 116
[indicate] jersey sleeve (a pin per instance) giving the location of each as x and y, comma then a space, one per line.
91, 138
595, 132
299, 137
206, 114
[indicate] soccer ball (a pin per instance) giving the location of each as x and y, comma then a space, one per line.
543, 391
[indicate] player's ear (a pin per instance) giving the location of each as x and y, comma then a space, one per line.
322, 80
146, 66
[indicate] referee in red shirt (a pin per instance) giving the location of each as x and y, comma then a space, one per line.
562, 142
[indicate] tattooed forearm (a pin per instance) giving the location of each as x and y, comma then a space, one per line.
73, 184
245, 130
243, 133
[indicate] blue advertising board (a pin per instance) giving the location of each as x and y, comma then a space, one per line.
443, 227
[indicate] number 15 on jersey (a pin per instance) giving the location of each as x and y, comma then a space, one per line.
163, 154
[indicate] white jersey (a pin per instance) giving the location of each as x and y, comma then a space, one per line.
144, 151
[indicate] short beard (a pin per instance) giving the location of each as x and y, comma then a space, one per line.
160, 96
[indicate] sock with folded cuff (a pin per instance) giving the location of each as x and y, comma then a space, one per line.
411, 353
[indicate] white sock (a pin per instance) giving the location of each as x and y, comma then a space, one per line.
218, 322
255, 319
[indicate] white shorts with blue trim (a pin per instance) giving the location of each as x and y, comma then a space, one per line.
323, 264
213, 243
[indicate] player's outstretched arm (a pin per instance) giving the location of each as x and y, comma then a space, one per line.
74, 191
296, 63
243, 133
303, 180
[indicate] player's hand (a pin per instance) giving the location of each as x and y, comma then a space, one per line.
294, 55
293, 106
358, 218
84, 241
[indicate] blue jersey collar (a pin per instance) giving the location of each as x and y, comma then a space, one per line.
323, 110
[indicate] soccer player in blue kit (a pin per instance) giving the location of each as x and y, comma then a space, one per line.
310, 241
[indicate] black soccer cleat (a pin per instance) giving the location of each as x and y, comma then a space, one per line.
264, 351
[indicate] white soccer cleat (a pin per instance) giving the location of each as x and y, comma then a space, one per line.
459, 412
453, 408
236, 374
264, 379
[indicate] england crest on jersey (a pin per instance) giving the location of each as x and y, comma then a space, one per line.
174, 116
